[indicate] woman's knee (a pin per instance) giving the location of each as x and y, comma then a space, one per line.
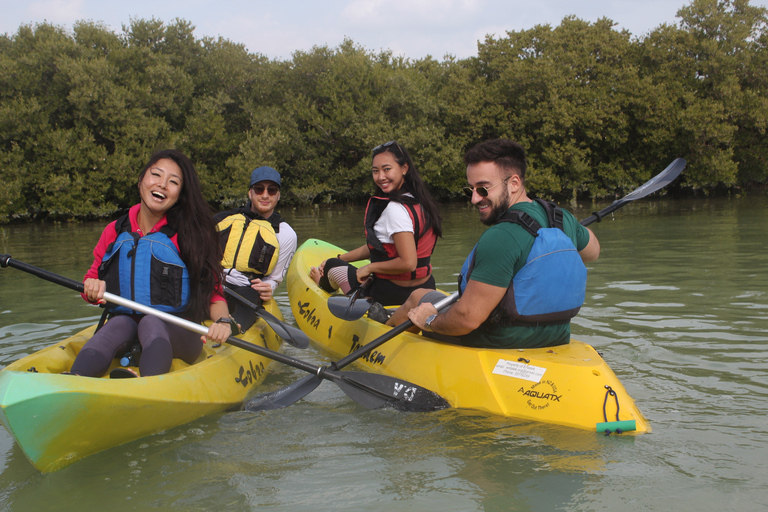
151, 327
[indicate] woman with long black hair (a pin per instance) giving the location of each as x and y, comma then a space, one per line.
402, 224
164, 253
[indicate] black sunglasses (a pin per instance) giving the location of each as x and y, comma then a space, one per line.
481, 191
382, 147
271, 189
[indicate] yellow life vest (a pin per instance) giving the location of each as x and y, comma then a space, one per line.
249, 245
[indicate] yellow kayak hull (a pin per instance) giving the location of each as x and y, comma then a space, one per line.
58, 419
567, 385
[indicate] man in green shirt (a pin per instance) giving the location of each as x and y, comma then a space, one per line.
496, 178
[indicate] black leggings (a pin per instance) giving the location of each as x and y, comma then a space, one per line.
160, 343
243, 315
383, 291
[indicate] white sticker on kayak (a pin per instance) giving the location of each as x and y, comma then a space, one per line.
519, 370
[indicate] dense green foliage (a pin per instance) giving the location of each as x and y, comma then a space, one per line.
600, 111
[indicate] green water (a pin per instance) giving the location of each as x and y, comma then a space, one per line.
677, 304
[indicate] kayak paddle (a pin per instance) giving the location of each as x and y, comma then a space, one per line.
658, 182
294, 392
299, 389
349, 308
292, 335
369, 390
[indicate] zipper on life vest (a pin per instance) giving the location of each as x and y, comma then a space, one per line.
262, 255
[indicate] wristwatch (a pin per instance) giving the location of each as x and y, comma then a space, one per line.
232, 324
428, 323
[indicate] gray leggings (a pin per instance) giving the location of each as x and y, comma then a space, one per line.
160, 343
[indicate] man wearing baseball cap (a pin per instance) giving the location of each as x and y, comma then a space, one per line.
257, 243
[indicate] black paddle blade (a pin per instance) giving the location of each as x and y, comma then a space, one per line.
348, 308
659, 181
284, 397
299, 389
374, 391
290, 334
352, 307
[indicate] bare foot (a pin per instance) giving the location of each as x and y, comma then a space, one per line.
315, 273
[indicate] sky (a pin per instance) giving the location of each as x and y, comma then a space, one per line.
409, 28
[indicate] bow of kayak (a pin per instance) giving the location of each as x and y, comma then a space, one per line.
58, 419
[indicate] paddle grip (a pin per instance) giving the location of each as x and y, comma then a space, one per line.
7, 261
360, 292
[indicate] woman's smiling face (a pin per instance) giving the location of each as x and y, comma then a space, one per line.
387, 173
161, 186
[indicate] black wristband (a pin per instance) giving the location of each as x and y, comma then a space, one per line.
232, 324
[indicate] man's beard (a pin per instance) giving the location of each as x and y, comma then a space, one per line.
497, 210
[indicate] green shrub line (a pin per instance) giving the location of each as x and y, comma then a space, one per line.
599, 110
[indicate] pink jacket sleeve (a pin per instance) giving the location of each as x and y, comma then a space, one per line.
107, 237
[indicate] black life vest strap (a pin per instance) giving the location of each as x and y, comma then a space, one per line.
522, 219
554, 216
554, 213
418, 230
417, 234
104, 315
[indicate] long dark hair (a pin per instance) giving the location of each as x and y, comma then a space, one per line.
413, 184
191, 218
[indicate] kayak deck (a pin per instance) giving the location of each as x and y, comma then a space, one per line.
58, 419
567, 385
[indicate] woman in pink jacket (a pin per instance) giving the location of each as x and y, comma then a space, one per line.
163, 253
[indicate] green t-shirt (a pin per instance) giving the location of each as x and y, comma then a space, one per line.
501, 252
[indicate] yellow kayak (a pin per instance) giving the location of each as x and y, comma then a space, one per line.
567, 385
58, 419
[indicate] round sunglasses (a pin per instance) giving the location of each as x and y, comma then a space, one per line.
481, 191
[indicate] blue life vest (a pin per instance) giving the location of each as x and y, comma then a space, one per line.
146, 269
551, 287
